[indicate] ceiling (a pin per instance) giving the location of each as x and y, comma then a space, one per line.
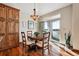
42, 8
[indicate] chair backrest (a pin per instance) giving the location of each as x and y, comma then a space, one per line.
29, 33
45, 44
23, 39
46, 37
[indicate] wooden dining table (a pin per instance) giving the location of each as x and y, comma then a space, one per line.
37, 39
40, 38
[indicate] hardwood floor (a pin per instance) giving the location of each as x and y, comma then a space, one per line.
55, 50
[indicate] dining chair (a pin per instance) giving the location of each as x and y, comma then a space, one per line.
26, 44
29, 33
44, 44
30, 41
23, 39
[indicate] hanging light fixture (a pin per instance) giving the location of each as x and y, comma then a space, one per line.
34, 16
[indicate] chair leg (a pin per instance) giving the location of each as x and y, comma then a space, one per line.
48, 51
43, 52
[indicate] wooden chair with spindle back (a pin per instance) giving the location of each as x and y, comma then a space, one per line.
24, 45
29, 33
30, 41
44, 44
23, 39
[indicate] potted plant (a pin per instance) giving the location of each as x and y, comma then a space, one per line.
68, 39
36, 33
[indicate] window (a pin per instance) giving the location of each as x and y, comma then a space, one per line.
56, 29
45, 26
56, 24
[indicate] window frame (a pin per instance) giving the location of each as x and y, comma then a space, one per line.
56, 39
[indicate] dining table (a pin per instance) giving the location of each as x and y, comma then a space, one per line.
36, 39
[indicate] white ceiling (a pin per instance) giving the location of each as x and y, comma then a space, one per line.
42, 8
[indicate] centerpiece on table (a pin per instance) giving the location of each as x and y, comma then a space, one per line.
36, 33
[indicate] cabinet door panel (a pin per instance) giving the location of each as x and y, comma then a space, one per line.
15, 14
2, 27
3, 42
17, 39
10, 27
11, 40
17, 27
2, 11
9, 13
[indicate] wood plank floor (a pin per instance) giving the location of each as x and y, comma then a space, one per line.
55, 50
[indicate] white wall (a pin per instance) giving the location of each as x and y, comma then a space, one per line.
75, 26
66, 22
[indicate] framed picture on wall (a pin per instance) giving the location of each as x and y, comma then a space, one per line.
30, 24
23, 23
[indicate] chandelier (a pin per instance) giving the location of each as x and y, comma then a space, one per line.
34, 16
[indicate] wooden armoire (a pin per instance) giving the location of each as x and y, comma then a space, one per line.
9, 27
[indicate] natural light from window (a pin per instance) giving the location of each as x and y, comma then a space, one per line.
56, 24
45, 25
